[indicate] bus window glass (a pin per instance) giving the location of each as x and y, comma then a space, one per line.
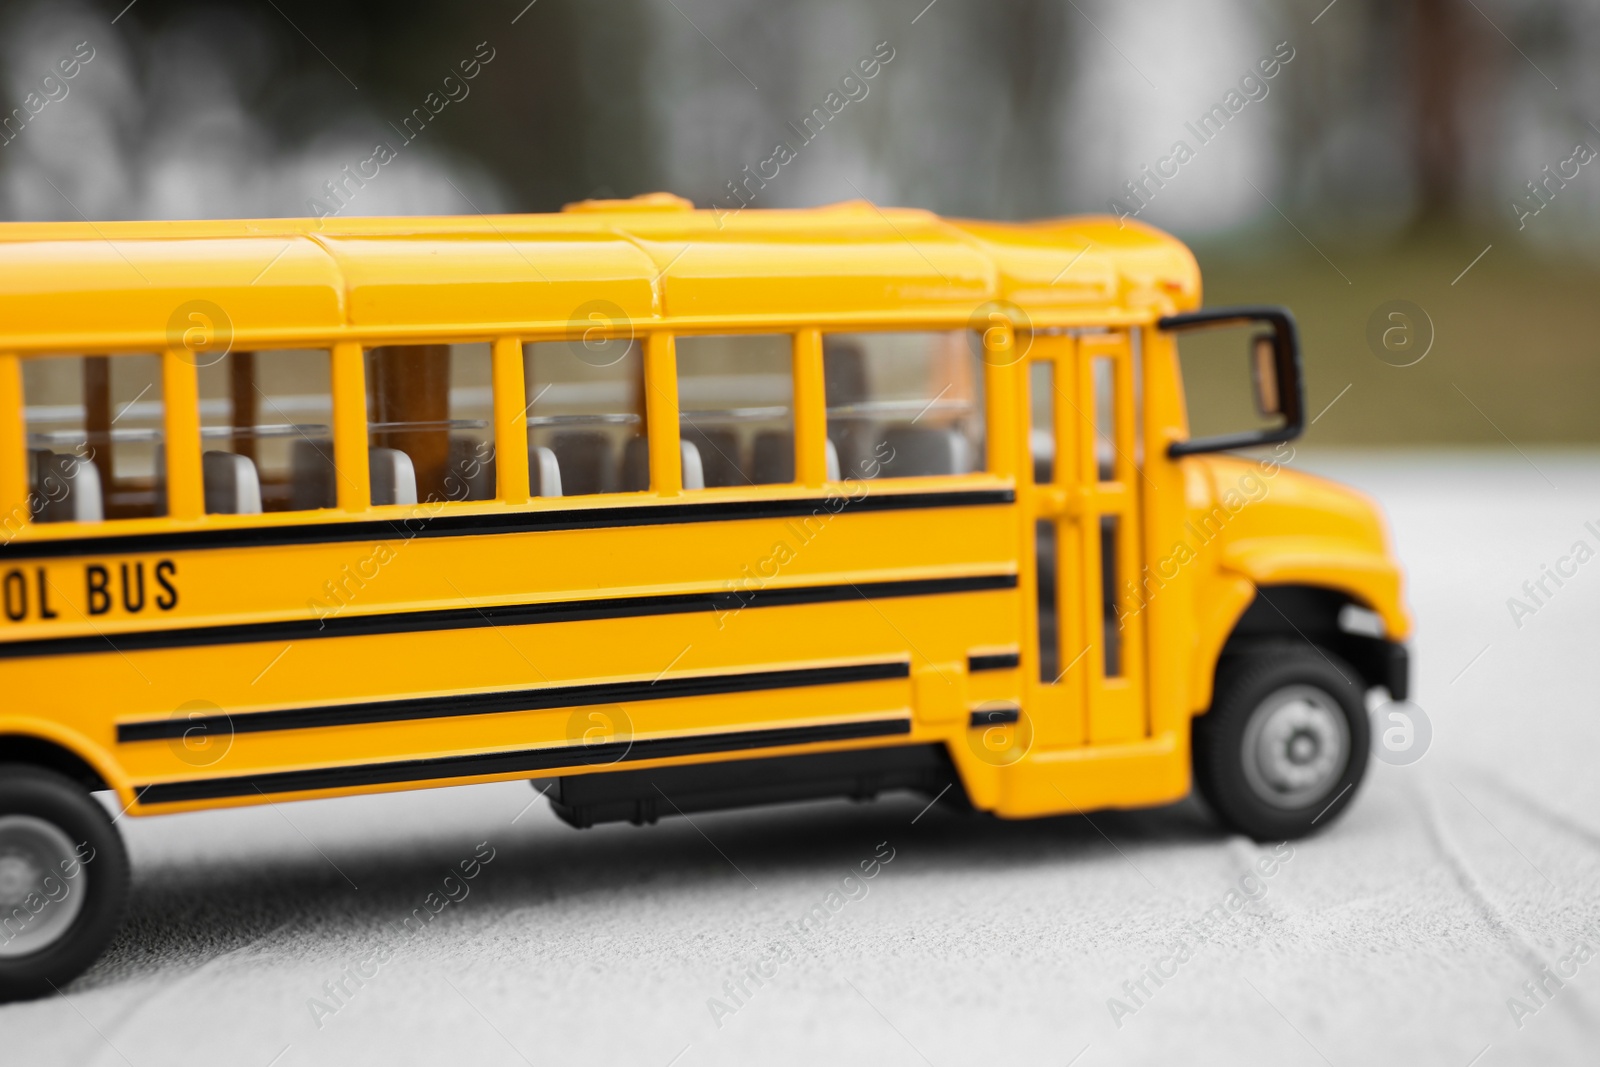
1045, 544
735, 399
1111, 620
430, 419
905, 404
94, 432
266, 428
1042, 420
1106, 430
586, 411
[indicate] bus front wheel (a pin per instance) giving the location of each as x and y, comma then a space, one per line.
1284, 745
63, 880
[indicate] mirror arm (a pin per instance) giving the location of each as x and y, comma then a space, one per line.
1291, 386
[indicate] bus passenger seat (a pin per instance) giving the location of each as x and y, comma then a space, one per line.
720, 461
774, 458
471, 469
772, 461
544, 472
311, 479
636, 466
394, 479
915, 451
587, 463
855, 442
232, 486
694, 472
68, 488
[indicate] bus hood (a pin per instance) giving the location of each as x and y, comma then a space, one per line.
1276, 526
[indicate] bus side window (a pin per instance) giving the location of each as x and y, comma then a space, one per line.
905, 404
430, 422
586, 416
736, 407
94, 431
1106, 430
266, 430
1042, 421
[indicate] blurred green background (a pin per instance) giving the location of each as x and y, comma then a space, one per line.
1518, 336
1373, 151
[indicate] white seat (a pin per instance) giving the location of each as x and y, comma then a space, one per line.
394, 477
68, 488
694, 472
720, 460
232, 485
855, 443
544, 472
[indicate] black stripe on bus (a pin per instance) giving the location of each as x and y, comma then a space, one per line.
999, 715
544, 698
525, 761
993, 661
450, 525
467, 618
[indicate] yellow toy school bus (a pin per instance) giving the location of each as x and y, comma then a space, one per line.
678, 511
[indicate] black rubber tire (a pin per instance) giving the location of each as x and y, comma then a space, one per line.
29, 790
1243, 682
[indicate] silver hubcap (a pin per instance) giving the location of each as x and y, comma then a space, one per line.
1296, 746
38, 901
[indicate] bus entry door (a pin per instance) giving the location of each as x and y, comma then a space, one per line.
1086, 680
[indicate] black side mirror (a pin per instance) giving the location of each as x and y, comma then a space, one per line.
1274, 371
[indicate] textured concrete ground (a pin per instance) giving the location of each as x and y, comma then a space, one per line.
1398, 936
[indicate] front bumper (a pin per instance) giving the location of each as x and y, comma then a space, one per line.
1397, 670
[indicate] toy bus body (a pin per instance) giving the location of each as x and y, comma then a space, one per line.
839, 631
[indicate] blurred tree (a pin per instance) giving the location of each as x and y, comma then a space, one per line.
1030, 46
1442, 43
1419, 114
558, 114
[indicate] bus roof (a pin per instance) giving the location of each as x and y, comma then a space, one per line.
86, 286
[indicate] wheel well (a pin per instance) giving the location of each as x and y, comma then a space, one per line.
1325, 617
20, 748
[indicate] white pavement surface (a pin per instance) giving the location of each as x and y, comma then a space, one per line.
1398, 936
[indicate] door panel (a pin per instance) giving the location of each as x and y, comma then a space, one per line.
1086, 652
1055, 688
1109, 533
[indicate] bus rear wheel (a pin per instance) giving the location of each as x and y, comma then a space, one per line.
63, 880
1284, 745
